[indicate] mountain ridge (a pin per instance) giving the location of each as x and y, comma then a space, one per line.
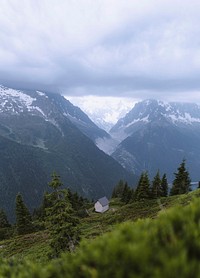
155, 133
145, 111
37, 138
17, 101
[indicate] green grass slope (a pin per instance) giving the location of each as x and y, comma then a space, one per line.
97, 224
168, 246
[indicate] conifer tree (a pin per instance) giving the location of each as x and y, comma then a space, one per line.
39, 214
61, 222
78, 203
156, 186
164, 186
143, 188
23, 217
5, 227
181, 183
118, 190
138, 186
3, 220
132, 195
126, 194
46, 203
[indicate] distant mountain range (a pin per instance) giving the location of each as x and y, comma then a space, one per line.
42, 132
156, 135
103, 111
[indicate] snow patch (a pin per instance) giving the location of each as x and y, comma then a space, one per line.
145, 120
186, 119
16, 101
39, 110
41, 94
16, 94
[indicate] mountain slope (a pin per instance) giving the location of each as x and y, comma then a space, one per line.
81, 120
36, 138
157, 135
38, 103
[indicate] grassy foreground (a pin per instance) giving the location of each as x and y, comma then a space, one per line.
168, 246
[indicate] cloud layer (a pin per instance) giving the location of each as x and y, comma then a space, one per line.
139, 49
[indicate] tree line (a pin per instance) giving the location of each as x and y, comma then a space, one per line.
156, 189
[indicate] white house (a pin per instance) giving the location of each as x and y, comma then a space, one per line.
102, 205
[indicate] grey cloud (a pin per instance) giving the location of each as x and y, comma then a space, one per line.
151, 52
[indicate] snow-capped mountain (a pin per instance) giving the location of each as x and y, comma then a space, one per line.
40, 104
41, 133
104, 111
149, 111
157, 135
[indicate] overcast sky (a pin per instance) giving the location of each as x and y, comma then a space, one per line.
125, 48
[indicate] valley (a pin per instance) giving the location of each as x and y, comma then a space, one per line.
46, 133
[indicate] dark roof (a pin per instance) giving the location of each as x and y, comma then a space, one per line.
103, 201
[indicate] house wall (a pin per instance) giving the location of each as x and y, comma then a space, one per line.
105, 208
98, 207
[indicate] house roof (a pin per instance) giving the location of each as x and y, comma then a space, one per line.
103, 201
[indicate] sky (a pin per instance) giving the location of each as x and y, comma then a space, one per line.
133, 49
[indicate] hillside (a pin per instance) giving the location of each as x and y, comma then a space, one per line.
41, 133
35, 246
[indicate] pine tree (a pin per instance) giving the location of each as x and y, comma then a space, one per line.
3, 220
46, 203
126, 194
61, 222
164, 186
55, 182
76, 201
23, 217
132, 195
39, 214
138, 186
181, 183
156, 187
79, 204
143, 188
5, 227
118, 190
